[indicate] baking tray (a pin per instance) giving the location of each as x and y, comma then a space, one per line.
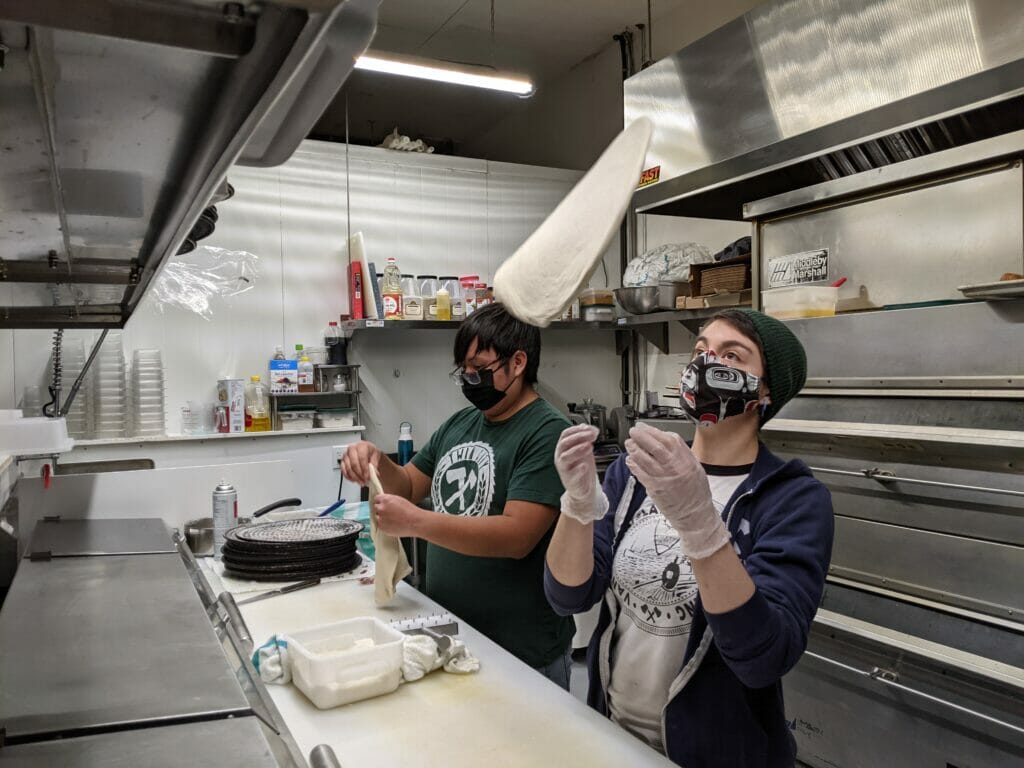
1001, 289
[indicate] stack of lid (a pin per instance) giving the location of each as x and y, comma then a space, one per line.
292, 550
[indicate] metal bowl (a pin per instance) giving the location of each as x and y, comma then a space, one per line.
638, 301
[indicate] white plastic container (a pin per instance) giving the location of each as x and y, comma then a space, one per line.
349, 661
32, 436
800, 301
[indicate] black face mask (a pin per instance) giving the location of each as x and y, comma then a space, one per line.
710, 390
484, 395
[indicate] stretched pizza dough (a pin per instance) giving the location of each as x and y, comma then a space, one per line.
391, 563
550, 269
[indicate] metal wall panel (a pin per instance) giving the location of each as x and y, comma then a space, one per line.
915, 246
983, 338
844, 719
980, 575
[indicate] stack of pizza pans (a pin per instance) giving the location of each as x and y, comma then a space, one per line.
292, 550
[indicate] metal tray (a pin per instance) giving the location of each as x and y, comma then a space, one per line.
304, 531
1001, 289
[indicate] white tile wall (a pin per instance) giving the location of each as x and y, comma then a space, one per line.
437, 215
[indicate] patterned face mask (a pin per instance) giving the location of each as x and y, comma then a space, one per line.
710, 390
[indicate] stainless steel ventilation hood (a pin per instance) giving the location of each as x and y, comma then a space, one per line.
119, 120
797, 92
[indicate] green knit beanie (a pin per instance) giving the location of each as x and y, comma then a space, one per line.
784, 358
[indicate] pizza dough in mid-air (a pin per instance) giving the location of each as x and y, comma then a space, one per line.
550, 269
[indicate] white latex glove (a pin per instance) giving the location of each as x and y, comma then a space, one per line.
583, 500
676, 482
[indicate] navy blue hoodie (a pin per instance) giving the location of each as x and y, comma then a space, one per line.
727, 710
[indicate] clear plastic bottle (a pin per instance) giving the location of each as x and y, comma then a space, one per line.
428, 290
279, 353
298, 352
257, 406
337, 352
468, 284
412, 299
481, 295
391, 290
306, 383
444, 306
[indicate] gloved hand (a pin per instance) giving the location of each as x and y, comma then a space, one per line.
676, 482
583, 500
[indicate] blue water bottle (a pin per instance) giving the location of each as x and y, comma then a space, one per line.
404, 442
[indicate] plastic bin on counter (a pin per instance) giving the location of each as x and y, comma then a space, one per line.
800, 301
336, 417
348, 661
295, 418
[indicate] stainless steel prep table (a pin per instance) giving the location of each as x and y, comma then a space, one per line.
238, 743
76, 538
101, 642
507, 714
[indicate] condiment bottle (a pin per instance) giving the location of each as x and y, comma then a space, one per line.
306, 383
444, 305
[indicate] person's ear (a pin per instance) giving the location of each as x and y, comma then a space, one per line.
517, 363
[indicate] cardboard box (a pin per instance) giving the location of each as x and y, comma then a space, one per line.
231, 394
718, 300
704, 284
284, 376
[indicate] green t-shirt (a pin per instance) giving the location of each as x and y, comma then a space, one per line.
475, 466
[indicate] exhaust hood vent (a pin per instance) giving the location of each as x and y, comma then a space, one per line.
956, 131
791, 95
119, 121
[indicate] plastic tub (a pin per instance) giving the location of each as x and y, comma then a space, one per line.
348, 661
800, 301
597, 297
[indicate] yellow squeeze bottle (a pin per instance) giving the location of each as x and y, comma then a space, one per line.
444, 305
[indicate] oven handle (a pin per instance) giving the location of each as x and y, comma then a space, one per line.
888, 677
883, 476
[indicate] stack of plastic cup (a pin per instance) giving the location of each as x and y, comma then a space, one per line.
110, 396
147, 393
72, 361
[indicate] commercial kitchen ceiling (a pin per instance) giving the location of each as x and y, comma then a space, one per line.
538, 38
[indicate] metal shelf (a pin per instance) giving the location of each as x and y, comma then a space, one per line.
332, 393
450, 325
653, 326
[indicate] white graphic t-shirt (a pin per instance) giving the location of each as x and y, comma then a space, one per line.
656, 591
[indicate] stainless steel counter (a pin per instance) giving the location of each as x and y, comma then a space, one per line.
237, 743
72, 538
504, 715
104, 642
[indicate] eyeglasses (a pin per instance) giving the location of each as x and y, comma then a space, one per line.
461, 376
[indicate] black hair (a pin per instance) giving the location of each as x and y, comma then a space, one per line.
741, 322
494, 328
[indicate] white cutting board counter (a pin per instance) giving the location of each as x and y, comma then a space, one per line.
507, 714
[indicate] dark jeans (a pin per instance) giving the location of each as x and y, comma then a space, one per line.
558, 670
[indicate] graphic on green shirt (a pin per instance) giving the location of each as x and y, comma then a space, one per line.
463, 482
476, 467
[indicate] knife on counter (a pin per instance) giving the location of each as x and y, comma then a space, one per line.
280, 591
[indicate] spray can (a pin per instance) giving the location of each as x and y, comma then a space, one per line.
404, 443
225, 514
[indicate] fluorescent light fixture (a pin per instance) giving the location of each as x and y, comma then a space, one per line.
407, 67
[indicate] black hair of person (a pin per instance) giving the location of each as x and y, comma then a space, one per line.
494, 328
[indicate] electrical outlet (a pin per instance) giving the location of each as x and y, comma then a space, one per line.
337, 453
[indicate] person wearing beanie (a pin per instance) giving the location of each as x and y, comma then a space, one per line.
708, 560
